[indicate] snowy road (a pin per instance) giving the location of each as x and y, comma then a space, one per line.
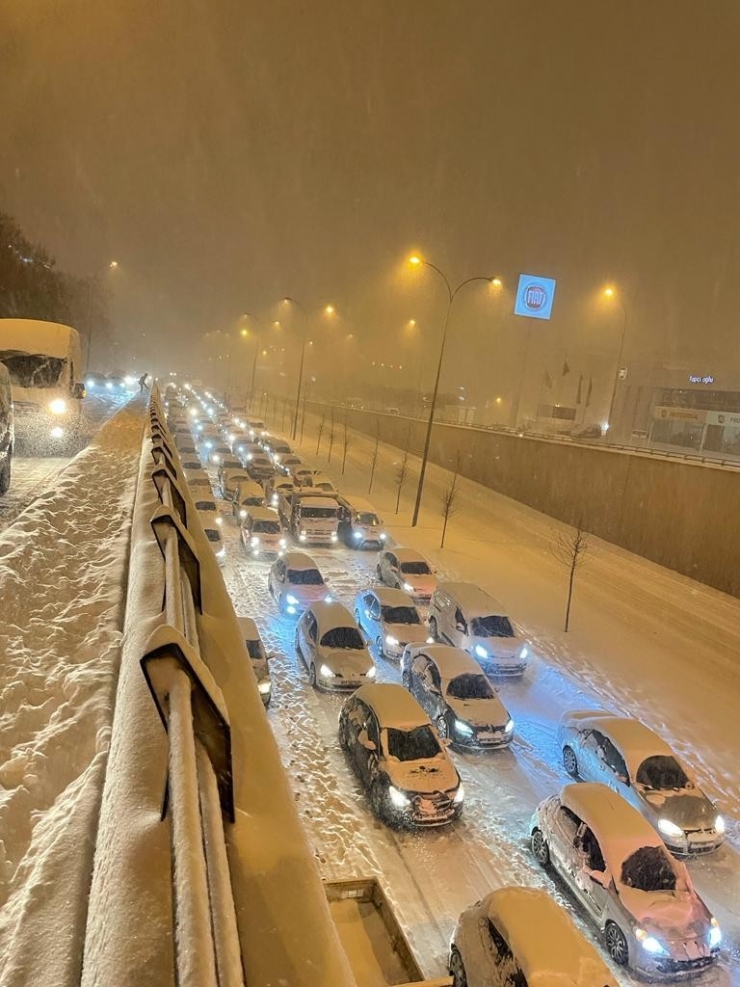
638, 632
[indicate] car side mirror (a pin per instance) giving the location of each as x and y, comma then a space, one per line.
78, 391
603, 878
365, 741
461, 627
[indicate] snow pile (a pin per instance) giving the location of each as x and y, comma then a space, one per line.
62, 581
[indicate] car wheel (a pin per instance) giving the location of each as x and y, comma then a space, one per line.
616, 944
312, 675
343, 739
457, 969
433, 627
540, 848
378, 574
442, 726
570, 762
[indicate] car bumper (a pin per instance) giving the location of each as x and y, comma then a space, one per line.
670, 969
500, 667
695, 844
484, 740
425, 814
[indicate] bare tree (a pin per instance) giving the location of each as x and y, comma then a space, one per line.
569, 549
331, 434
374, 457
322, 425
346, 443
450, 502
402, 472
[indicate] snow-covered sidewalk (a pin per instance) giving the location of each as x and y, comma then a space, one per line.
63, 569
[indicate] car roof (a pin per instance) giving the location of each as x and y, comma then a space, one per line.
208, 520
634, 739
393, 705
332, 614
451, 662
359, 504
471, 597
408, 555
248, 629
391, 597
619, 828
299, 560
263, 514
544, 940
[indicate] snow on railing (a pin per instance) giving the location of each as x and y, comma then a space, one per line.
199, 794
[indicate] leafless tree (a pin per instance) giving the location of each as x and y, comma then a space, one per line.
322, 426
374, 457
402, 472
569, 549
346, 443
450, 502
331, 434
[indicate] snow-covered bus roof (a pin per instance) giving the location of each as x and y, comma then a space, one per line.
36, 338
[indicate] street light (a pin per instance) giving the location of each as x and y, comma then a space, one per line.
111, 266
327, 310
495, 282
610, 293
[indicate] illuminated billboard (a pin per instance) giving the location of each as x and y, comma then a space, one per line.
534, 296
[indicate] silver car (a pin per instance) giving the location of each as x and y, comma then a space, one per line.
390, 620
329, 642
627, 756
639, 896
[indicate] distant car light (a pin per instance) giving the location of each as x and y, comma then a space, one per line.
669, 828
58, 406
89, 384
109, 385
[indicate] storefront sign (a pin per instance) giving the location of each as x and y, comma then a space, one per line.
680, 414
699, 379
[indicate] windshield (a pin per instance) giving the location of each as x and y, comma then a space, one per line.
412, 745
319, 512
256, 651
649, 869
470, 686
345, 638
401, 615
32, 371
205, 505
305, 577
416, 568
491, 627
662, 773
253, 501
267, 527
367, 519
212, 535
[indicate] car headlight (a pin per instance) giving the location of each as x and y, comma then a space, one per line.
719, 825
408, 587
327, 599
333, 536
383, 536
357, 534
459, 795
398, 798
480, 651
220, 553
462, 727
57, 432
274, 500
109, 385
292, 600
430, 640
524, 652
249, 457
326, 672
302, 536
264, 686
649, 943
219, 520
89, 384
715, 934
283, 543
254, 541
58, 406
509, 728
370, 673
391, 641
242, 514
216, 458
669, 828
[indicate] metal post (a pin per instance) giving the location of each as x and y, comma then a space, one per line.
300, 383
525, 364
616, 372
254, 370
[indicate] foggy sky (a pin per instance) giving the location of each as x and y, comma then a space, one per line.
230, 152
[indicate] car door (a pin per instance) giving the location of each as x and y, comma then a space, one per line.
279, 570
564, 829
495, 953
591, 872
418, 678
369, 749
456, 627
589, 742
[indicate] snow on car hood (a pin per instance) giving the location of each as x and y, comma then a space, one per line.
689, 809
479, 712
435, 774
500, 647
408, 633
306, 593
351, 662
668, 915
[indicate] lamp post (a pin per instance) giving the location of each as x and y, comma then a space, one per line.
327, 310
112, 266
612, 295
451, 295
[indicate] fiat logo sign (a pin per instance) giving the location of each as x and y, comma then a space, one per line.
535, 297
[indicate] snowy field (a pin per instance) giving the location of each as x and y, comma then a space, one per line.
643, 641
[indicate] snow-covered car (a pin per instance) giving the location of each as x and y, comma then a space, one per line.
206, 505
626, 755
247, 495
276, 447
287, 463
295, 582
302, 476
456, 695
260, 468
246, 451
260, 661
229, 480
407, 569
197, 480
261, 533
465, 616
401, 761
256, 426
329, 642
390, 620
637, 894
191, 464
213, 534
274, 487
361, 526
521, 936
220, 453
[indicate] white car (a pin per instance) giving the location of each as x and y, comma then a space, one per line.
230, 479
404, 768
329, 642
205, 505
626, 755
275, 486
407, 569
248, 494
261, 532
521, 936
638, 896
295, 582
213, 534
456, 695
260, 660
389, 619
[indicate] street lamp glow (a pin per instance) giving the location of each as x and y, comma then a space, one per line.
245, 332
609, 292
496, 282
113, 265
330, 310
415, 260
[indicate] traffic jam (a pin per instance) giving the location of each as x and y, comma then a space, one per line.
423, 668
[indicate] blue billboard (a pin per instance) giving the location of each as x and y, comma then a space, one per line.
534, 296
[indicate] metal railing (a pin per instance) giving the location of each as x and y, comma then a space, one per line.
199, 796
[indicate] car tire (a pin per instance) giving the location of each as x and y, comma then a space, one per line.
457, 969
343, 738
616, 944
442, 728
540, 848
5, 476
312, 675
570, 761
433, 628
378, 574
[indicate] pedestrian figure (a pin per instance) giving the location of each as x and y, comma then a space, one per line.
142, 383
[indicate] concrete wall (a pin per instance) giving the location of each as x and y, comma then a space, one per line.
681, 515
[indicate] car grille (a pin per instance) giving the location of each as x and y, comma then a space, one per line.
684, 966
